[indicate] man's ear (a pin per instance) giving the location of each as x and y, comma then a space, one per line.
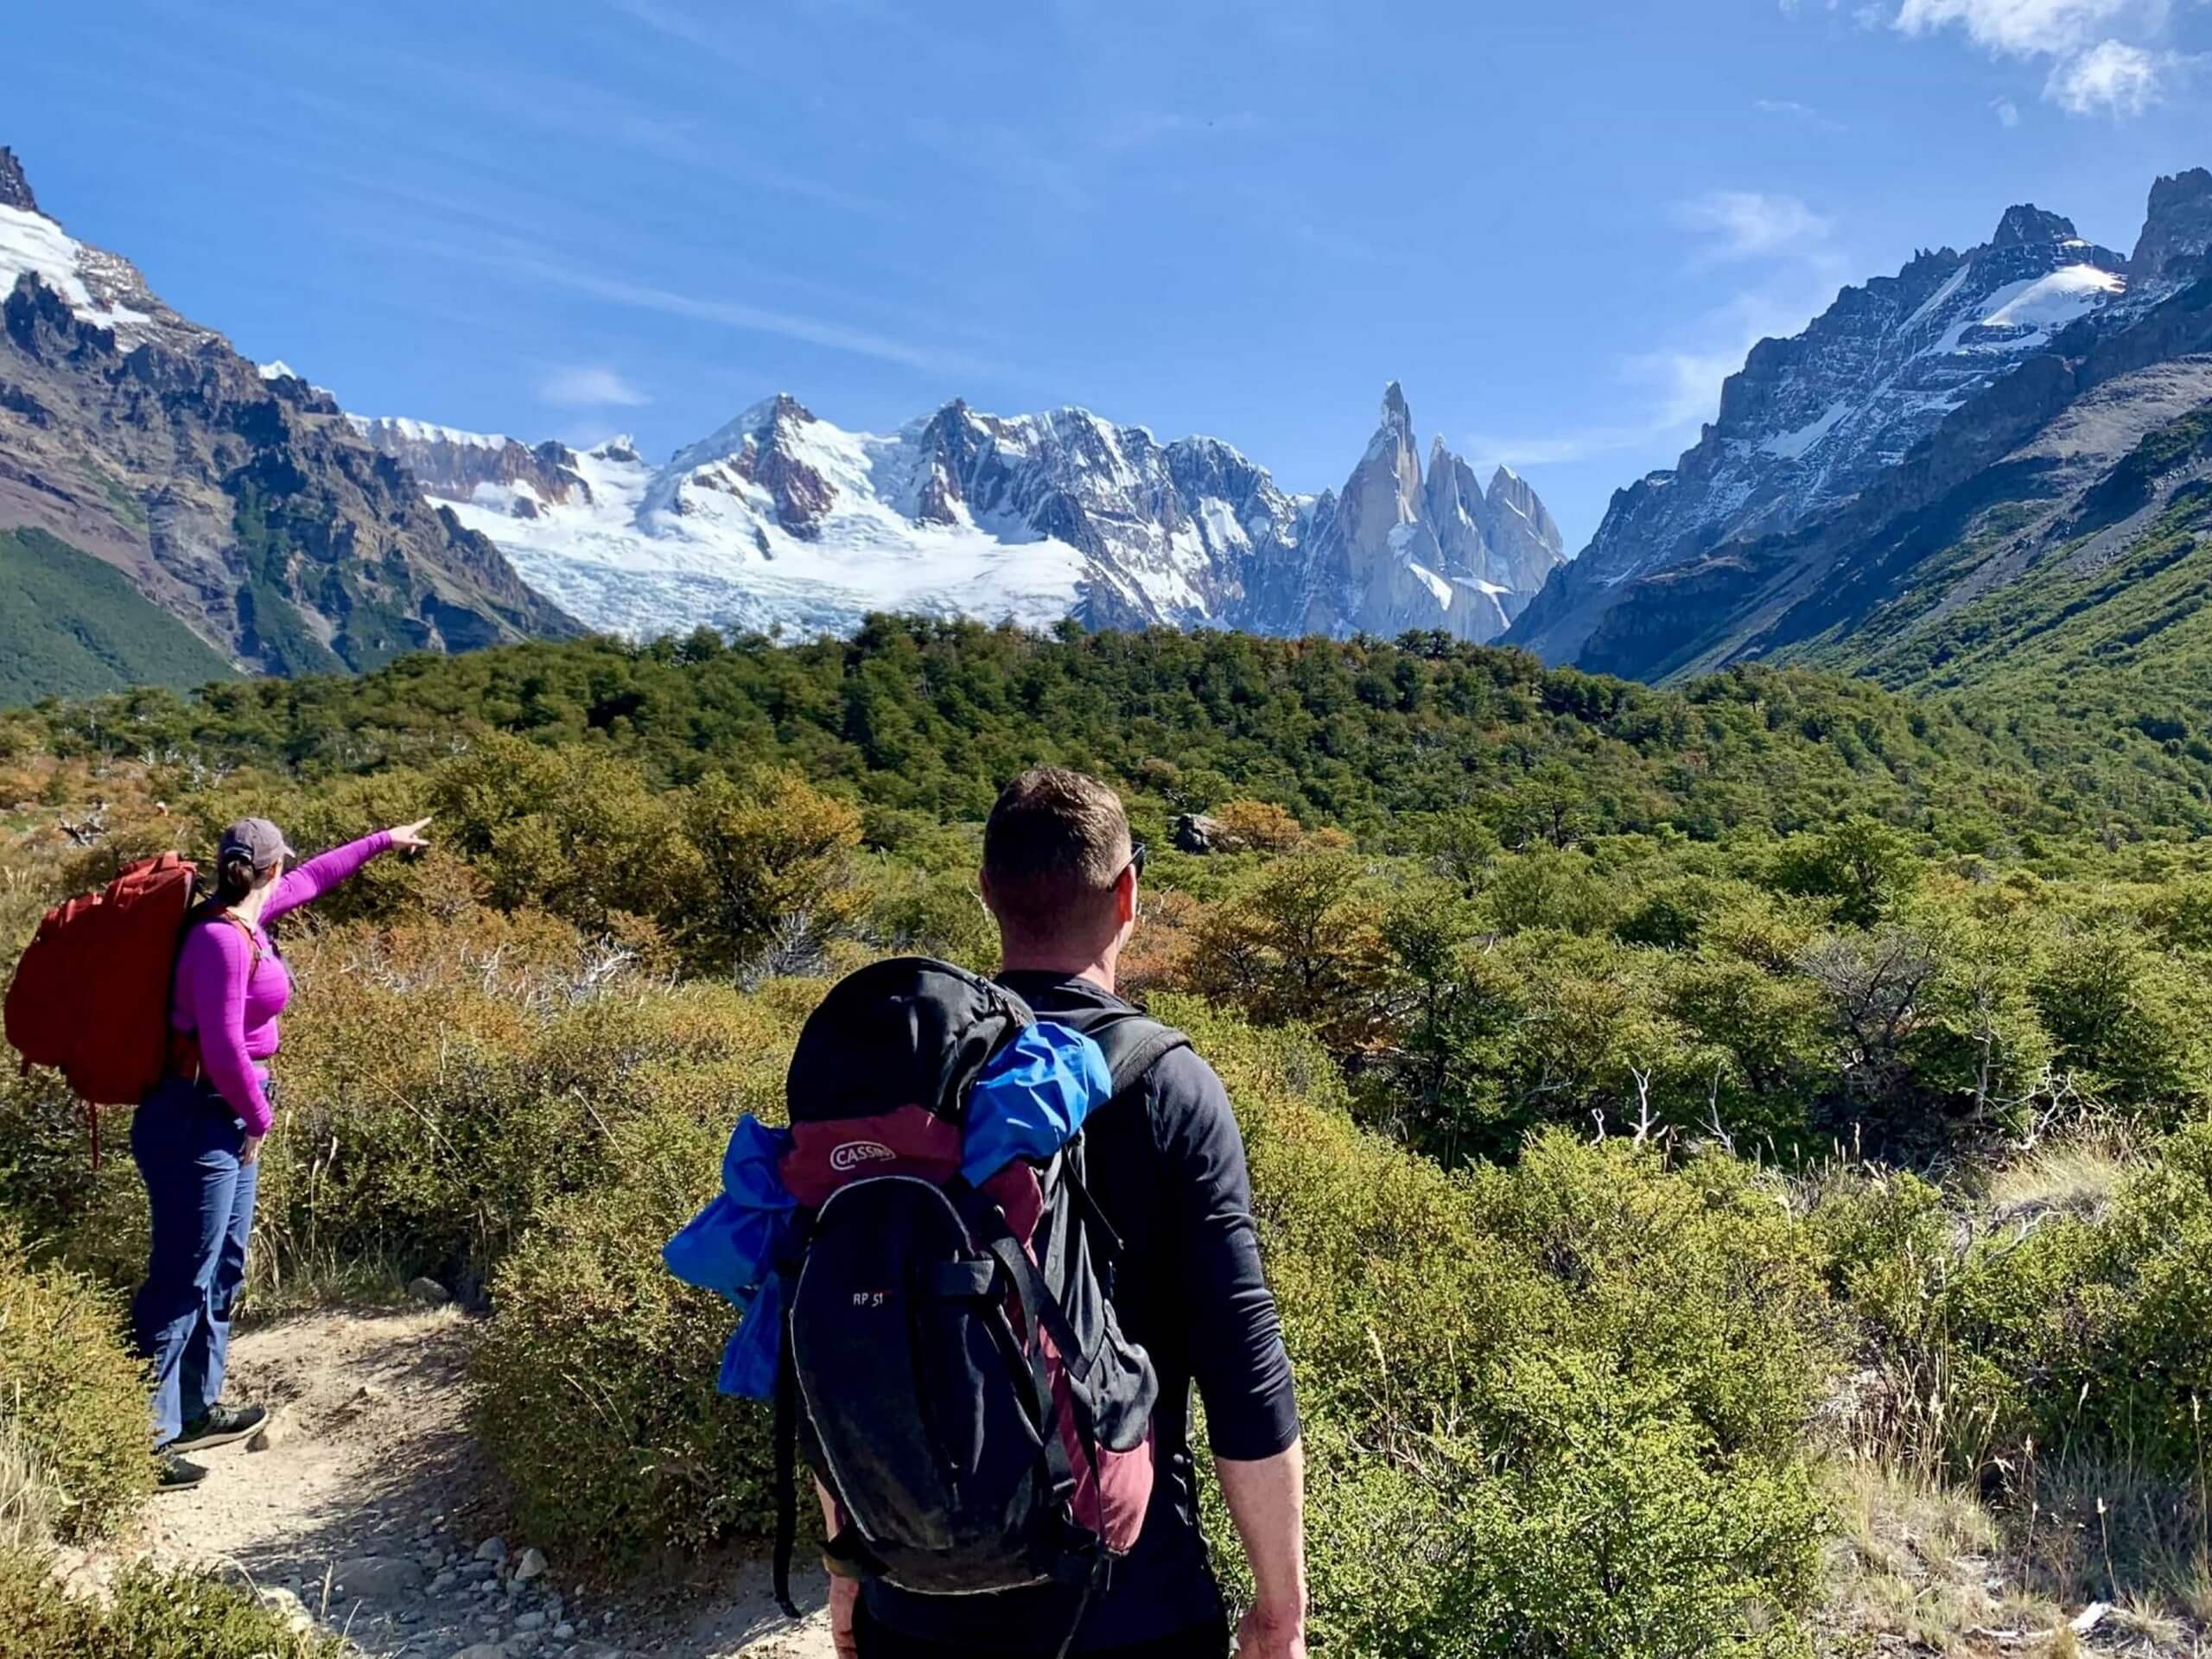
1125, 896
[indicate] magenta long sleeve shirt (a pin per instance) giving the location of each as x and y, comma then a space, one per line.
231, 1003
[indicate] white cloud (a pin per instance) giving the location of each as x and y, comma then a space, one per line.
2030, 27
2111, 78
2104, 55
1748, 224
2008, 112
577, 386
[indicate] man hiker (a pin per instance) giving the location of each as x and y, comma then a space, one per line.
1166, 1171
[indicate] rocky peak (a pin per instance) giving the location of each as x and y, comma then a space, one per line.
1396, 416
1453, 502
2177, 230
764, 447
1511, 492
15, 188
769, 417
2028, 226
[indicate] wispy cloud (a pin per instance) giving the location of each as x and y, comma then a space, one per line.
1791, 109
1017, 161
531, 264
1143, 129
2022, 28
2007, 113
581, 386
1673, 389
1750, 224
2107, 57
583, 111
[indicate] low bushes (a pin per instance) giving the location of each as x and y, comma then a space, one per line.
2078, 1329
2094, 1335
72, 1403
440, 1083
1554, 1410
150, 1615
598, 1368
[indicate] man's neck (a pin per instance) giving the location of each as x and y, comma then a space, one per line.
1098, 971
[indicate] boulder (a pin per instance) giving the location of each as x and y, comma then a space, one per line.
1196, 833
428, 1292
379, 1577
532, 1564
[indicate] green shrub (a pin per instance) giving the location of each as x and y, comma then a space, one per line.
70, 1397
2094, 1335
151, 1615
1555, 1409
1617, 1534
95, 1219
598, 1368
598, 1372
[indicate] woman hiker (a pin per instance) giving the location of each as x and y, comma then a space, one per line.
196, 1137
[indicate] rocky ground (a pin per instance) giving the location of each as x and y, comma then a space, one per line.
368, 1511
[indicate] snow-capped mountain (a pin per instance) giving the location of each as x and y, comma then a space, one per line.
236, 499
1910, 455
99, 288
782, 519
1820, 419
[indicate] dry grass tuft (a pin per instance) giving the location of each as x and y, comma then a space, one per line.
28, 1502
2078, 1175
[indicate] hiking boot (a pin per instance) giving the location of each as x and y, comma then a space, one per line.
219, 1426
177, 1474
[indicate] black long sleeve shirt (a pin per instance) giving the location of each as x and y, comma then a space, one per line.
1167, 1167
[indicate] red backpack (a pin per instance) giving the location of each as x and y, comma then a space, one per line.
91, 996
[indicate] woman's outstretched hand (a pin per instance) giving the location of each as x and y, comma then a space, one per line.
409, 837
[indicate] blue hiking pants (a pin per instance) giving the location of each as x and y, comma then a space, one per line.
185, 1141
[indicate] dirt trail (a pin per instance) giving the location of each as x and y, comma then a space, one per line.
370, 1508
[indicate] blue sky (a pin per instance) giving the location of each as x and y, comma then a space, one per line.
1559, 224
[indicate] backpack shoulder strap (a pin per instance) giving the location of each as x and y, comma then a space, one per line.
1132, 1043
252, 939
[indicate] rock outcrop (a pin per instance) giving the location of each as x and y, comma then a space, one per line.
2177, 230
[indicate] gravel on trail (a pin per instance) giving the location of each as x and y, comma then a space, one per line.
369, 1513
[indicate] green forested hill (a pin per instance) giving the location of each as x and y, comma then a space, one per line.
932, 717
73, 626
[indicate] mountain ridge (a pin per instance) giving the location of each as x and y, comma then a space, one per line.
1907, 387
779, 518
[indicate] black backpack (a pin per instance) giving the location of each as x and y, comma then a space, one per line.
951, 1367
